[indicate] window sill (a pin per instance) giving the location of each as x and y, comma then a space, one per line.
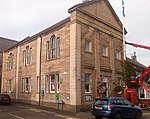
53, 92
26, 92
27, 65
105, 56
10, 91
48, 60
90, 52
87, 93
118, 60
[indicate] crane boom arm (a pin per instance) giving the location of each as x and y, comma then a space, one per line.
143, 81
137, 45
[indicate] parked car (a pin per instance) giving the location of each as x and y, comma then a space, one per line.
115, 108
5, 99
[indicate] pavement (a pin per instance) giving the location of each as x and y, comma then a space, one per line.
69, 115
65, 114
84, 115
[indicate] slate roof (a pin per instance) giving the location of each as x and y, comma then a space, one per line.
6, 43
59, 24
45, 31
136, 63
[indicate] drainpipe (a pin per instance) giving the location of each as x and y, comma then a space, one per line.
40, 55
2, 88
17, 72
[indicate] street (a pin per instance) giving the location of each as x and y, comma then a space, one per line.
25, 112
146, 114
22, 111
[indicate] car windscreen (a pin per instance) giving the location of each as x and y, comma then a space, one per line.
102, 102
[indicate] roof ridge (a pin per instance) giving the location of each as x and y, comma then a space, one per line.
82, 4
3, 38
135, 62
30, 38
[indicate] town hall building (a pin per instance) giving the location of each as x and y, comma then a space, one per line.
69, 64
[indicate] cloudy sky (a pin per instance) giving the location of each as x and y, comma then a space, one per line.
22, 18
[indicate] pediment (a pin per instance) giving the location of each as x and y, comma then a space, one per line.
102, 10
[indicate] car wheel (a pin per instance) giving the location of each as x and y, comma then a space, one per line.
117, 116
98, 117
138, 115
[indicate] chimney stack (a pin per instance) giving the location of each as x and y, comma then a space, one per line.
133, 56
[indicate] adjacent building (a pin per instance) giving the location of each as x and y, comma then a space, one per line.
5, 43
70, 63
136, 69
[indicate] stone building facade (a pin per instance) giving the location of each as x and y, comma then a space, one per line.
5, 44
71, 62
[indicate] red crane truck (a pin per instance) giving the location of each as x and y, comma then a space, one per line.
143, 80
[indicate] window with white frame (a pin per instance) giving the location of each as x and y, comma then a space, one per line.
10, 86
10, 61
26, 84
88, 45
147, 95
118, 55
53, 48
57, 82
27, 56
52, 83
104, 50
47, 84
87, 82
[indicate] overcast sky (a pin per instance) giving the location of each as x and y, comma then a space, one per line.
22, 18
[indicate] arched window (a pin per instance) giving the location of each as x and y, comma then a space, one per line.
27, 56
10, 61
53, 48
